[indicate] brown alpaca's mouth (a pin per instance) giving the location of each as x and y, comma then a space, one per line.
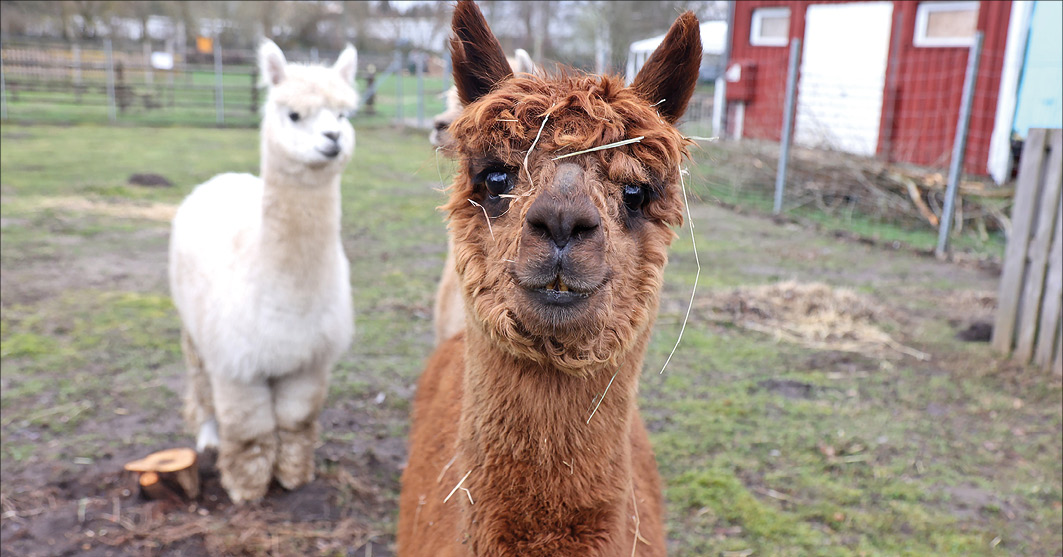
559, 293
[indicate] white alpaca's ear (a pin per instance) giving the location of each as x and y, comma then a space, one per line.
347, 63
271, 63
524, 62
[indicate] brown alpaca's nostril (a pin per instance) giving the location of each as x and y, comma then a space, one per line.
561, 220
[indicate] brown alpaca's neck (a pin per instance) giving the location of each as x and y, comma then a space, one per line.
540, 473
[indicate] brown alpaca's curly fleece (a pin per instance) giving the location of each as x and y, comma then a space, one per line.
526, 438
581, 111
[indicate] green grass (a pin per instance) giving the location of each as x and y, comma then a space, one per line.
883, 455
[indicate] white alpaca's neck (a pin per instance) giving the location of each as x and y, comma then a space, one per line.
300, 217
525, 434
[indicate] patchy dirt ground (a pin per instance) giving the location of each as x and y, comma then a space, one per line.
767, 445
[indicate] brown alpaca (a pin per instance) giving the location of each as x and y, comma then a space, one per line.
560, 263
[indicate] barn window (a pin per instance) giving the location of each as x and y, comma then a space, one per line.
770, 27
945, 24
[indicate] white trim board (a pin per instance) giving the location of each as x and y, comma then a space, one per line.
999, 163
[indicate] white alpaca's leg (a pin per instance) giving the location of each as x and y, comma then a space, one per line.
207, 437
199, 401
297, 401
248, 446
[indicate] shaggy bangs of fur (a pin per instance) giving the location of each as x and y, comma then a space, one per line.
307, 88
581, 112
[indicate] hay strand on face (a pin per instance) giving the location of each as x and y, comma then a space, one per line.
534, 143
697, 275
603, 147
488, 218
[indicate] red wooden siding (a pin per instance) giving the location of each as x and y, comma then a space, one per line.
919, 119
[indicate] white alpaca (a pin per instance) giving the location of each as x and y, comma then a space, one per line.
261, 282
448, 313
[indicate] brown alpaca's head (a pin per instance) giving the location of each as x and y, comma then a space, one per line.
562, 259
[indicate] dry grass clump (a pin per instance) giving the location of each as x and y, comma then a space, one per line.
815, 315
162, 212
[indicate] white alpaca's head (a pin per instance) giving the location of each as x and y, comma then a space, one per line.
521, 62
305, 120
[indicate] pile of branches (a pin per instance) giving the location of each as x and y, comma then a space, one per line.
838, 183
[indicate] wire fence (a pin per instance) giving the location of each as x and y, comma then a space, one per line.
871, 150
101, 82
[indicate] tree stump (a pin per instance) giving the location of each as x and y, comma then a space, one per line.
167, 474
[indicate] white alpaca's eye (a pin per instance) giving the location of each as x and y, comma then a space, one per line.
293, 116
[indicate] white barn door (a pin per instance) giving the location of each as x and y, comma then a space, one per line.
843, 71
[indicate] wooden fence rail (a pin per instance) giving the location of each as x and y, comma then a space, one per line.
1028, 321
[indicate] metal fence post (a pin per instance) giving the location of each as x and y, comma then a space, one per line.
398, 88
3, 89
77, 72
419, 59
959, 146
254, 89
787, 123
112, 112
219, 90
149, 74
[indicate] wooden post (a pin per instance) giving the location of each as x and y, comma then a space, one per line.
1014, 265
1051, 325
1033, 291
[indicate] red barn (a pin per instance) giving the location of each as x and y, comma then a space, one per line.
879, 79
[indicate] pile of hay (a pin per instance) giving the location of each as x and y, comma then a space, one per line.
815, 315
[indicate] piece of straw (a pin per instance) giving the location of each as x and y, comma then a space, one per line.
534, 143
602, 147
693, 243
486, 217
457, 486
603, 395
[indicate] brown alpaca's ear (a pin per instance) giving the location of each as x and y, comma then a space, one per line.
671, 73
478, 60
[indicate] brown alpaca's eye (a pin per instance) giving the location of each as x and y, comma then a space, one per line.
293, 116
634, 197
498, 183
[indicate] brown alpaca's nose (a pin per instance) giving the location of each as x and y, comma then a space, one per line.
564, 212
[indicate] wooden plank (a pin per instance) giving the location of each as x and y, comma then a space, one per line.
1057, 367
1014, 267
1037, 252
1053, 298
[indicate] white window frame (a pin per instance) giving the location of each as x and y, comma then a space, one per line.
755, 27
922, 18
